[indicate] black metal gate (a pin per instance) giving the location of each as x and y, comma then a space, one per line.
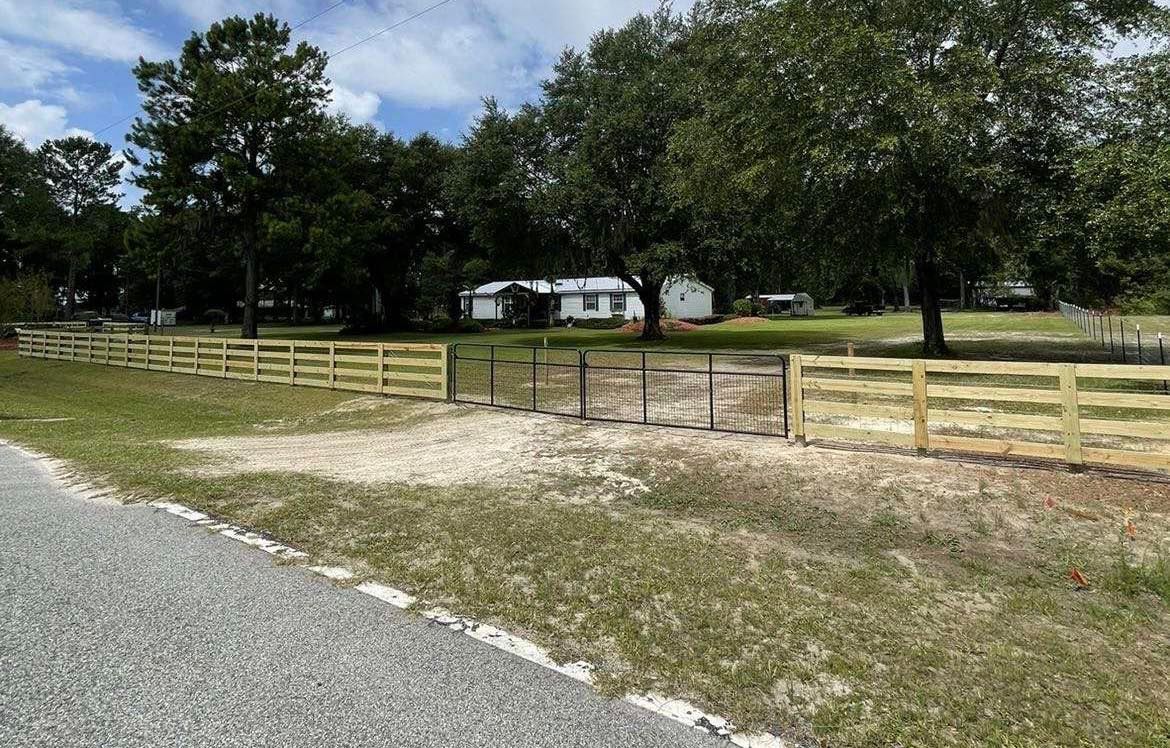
738, 392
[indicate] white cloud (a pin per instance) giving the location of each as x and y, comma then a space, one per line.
25, 67
35, 121
359, 107
83, 27
449, 58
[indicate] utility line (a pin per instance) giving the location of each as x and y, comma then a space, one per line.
328, 56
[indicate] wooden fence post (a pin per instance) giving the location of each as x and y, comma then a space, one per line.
381, 368
148, 353
797, 399
225, 344
849, 352
1070, 414
255, 360
196, 356
292, 362
332, 365
444, 371
918, 375
126, 352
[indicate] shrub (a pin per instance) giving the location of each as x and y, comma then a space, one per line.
467, 324
440, 324
601, 323
747, 308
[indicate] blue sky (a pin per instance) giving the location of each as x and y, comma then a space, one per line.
65, 64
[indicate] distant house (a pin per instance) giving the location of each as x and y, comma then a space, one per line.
581, 298
796, 304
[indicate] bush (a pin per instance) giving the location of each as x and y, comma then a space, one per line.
747, 308
601, 323
440, 324
468, 325
710, 319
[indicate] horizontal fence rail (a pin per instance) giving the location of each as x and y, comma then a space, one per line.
411, 369
736, 392
1106, 414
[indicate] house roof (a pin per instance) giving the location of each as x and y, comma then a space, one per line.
596, 284
784, 296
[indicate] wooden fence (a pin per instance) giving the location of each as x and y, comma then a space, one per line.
413, 369
1106, 414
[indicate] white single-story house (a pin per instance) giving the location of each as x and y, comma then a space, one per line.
796, 304
583, 298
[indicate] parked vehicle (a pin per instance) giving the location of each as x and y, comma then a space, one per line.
860, 308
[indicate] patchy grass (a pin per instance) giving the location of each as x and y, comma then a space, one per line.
854, 599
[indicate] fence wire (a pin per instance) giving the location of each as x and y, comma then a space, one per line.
743, 393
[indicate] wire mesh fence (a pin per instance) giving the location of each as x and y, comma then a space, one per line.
1122, 337
737, 392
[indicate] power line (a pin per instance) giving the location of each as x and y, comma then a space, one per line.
328, 56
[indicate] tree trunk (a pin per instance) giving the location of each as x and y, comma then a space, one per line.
71, 288
926, 268
248, 328
906, 286
649, 291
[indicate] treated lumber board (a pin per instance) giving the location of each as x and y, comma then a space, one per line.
1147, 372
1136, 429
1009, 394
1003, 447
1012, 368
1139, 400
996, 420
918, 382
1070, 413
860, 386
1128, 458
827, 431
858, 410
872, 363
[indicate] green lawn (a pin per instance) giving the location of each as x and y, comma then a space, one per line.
1024, 336
846, 598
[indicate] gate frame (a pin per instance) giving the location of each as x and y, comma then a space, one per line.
582, 366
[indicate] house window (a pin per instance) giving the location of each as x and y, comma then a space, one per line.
682, 297
506, 305
590, 302
617, 302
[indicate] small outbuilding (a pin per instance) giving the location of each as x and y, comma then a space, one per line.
794, 304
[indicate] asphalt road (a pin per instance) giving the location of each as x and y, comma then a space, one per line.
125, 626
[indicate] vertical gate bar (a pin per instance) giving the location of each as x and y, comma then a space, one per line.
381, 368
292, 362
581, 363
1139, 342
492, 377
332, 365
256, 360
1111, 333
1162, 358
197, 355
644, 408
1121, 326
225, 360
784, 392
711, 387
170, 354
534, 377
455, 373
797, 388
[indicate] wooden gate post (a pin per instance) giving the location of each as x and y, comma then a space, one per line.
797, 399
1070, 415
